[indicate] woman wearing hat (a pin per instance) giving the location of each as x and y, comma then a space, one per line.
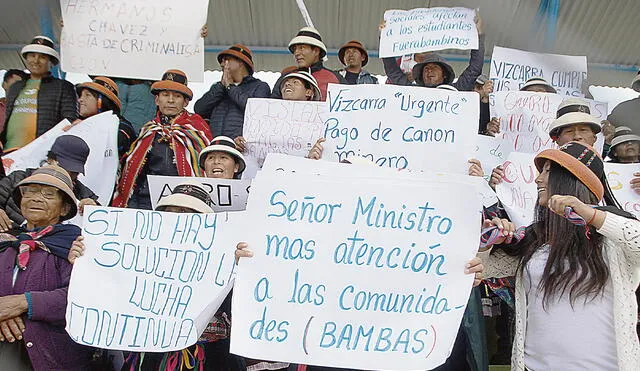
625, 146
221, 159
169, 145
38, 103
101, 95
34, 277
575, 270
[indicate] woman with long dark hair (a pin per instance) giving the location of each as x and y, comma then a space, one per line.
574, 267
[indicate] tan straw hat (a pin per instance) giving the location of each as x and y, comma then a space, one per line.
54, 176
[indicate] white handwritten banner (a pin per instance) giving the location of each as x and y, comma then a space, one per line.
100, 132
491, 152
133, 38
426, 29
401, 127
518, 191
140, 284
357, 274
226, 194
511, 68
619, 176
281, 126
525, 118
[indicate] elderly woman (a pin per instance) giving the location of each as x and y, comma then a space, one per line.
625, 146
34, 277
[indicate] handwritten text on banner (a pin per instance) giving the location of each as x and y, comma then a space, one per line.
619, 176
357, 274
511, 68
133, 38
427, 29
402, 127
226, 194
141, 282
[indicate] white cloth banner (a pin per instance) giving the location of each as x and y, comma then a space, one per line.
619, 176
427, 29
226, 194
133, 38
518, 191
401, 127
100, 132
354, 273
153, 279
281, 126
525, 118
511, 68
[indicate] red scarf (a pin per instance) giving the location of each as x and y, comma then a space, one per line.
188, 134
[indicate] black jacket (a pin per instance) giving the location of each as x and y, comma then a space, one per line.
8, 184
224, 107
57, 101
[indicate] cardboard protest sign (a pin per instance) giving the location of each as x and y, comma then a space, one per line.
526, 117
426, 29
401, 127
281, 126
511, 68
226, 194
357, 274
148, 281
518, 191
619, 176
100, 132
133, 38
491, 152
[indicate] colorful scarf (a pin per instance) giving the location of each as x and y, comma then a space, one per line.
55, 239
187, 134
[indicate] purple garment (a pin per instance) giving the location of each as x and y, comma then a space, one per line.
47, 278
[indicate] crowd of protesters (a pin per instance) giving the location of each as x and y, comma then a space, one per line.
564, 285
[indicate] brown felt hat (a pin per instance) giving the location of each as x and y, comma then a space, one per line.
241, 52
580, 160
173, 80
105, 86
54, 176
353, 44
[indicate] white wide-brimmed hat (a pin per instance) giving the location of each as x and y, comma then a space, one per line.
223, 144
305, 76
309, 36
42, 45
624, 134
188, 194
574, 118
538, 81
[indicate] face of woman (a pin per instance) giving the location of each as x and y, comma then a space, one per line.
42, 205
628, 152
87, 104
220, 165
541, 182
293, 89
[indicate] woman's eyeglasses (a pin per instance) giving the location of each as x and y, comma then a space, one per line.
32, 191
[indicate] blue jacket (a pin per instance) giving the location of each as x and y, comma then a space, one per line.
363, 78
224, 107
138, 104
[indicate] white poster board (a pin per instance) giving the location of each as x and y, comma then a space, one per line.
332, 286
518, 191
511, 68
427, 29
139, 286
133, 38
525, 118
100, 132
619, 176
401, 127
281, 126
226, 194
491, 152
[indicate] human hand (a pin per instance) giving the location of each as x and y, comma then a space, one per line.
382, 25
487, 88
84, 202
476, 168
478, 20
242, 251
496, 176
316, 151
12, 306
74, 123
240, 143
505, 227
11, 329
635, 182
475, 267
5, 222
204, 31
608, 130
493, 127
77, 249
